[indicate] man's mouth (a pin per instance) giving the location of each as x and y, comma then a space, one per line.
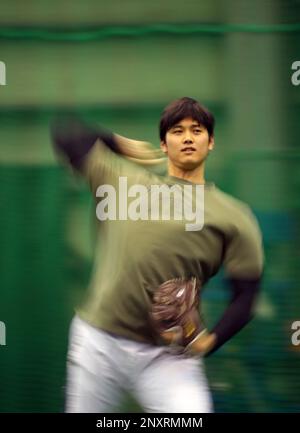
188, 149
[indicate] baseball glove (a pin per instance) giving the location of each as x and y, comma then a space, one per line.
175, 312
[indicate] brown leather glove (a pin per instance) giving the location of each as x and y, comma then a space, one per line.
175, 313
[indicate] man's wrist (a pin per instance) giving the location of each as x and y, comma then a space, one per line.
203, 343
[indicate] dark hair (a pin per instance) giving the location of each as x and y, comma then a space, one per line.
181, 109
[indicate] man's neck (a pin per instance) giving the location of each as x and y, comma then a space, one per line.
195, 176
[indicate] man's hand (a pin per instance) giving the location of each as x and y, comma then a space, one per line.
140, 152
203, 344
175, 315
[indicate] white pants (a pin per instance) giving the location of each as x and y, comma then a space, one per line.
100, 367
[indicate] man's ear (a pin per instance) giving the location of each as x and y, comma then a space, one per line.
164, 147
211, 143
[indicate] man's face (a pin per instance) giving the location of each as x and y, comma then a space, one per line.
187, 144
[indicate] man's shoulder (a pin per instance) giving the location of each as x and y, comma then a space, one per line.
235, 210
229, 201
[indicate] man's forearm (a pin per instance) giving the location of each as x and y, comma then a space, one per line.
235, 317
239, 312
75, 138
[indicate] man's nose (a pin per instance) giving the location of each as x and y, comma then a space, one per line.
188, 138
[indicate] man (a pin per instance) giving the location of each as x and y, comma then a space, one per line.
118, 340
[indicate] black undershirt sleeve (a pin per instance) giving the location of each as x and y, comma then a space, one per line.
75, 138
239, 312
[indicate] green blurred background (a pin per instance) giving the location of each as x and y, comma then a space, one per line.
120, 63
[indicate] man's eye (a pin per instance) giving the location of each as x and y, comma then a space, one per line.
176, 131
197, 131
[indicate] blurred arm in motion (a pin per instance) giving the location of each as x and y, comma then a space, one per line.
75, 138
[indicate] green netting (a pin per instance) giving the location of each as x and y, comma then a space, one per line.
87, 34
